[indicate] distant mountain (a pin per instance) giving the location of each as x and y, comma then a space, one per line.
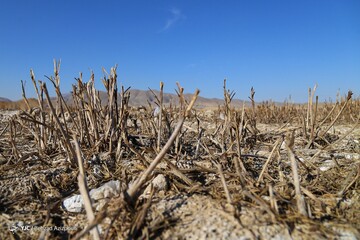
143, 97
137, 98
4, 99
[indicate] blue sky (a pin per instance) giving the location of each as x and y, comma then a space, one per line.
279, 47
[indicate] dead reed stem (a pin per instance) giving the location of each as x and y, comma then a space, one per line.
347, 184
349, 95
41, 135
313, 121
160, 116
65, 135
239, 165
128, 142
85, 192
24, 95
273, 202
5, 129
179, 174
226, 190
196, 155
308, 112
300, 201
268, 160
135, 188
329, 114
337, 141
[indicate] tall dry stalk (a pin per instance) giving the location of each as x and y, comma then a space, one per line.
276, 145
65, 134
313, 122
160, 116
41, 134
135, 188
239, 165
300, 201
348, 98
84, 191
309, 107
24, 95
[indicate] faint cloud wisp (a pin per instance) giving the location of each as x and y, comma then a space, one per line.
191, 65
176, 15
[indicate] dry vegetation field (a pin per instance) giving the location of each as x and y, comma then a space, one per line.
259, 172
19, 105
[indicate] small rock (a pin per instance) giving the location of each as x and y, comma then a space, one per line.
156, 112
222, 116
283, 145
74, 204
326, 165
160, 183
107, 190
99, 195
352, 156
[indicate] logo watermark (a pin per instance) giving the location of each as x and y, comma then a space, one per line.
20, 226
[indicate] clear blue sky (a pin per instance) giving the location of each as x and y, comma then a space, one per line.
279, 47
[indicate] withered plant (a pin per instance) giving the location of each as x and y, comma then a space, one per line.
265, 158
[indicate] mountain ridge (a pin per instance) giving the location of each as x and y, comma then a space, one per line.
2, 99
144, 97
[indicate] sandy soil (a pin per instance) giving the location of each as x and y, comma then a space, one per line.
34, 185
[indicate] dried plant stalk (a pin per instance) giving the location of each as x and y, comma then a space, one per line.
273, 202
239, 165
101, 127
227, 193
309, 107
349, 95
133, 191
160, 116
41, 135
313, 121
300, 201
84, 191
346, 184
24, 95
66, 138
268, 160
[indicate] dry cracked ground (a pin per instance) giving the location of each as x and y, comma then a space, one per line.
195, 192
